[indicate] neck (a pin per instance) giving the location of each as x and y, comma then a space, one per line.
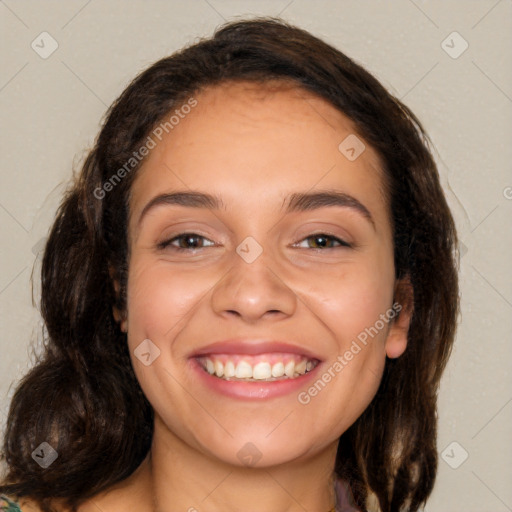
184, 478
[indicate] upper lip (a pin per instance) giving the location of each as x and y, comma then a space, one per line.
253, 347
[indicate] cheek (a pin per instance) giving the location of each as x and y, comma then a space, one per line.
352, 301
355, 309
159, 300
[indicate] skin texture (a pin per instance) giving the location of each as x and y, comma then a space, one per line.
253, 147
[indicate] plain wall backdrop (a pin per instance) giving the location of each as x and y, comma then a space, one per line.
63, 63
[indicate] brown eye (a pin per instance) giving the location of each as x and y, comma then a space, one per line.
323, 241
187, 241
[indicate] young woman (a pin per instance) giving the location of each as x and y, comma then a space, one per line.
250, 294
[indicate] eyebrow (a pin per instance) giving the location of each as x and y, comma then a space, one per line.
188, 199
301, 202
296, 202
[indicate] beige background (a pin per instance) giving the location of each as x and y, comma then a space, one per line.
51, 109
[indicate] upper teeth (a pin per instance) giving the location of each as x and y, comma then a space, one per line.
245, 367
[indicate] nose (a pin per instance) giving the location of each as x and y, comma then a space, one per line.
252, 292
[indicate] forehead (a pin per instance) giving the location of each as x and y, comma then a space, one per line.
253, 144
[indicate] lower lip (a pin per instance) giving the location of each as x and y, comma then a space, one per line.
252, 390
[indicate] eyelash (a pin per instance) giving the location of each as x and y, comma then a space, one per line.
165, 244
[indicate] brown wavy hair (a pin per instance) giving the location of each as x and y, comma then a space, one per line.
82, 396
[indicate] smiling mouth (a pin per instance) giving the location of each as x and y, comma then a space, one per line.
259, 368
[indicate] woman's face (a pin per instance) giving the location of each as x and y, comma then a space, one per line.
260, 246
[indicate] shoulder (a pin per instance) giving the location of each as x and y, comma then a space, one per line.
8, 505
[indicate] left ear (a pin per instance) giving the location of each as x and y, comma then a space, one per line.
403, 305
